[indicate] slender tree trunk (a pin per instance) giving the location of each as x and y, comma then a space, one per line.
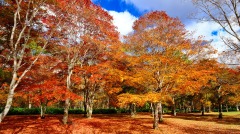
65, 114
89, 110
160, 113
192, 106
133, 109
203, 109
8, 105
152, 109
29, 101
89, 107
67, 101
85, 109
155, 117
43, 108
174, 108
85, 103
180, 107
227, 107
237, 107
209, 108
220, 109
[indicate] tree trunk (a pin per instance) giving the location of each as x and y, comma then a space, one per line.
66, 107
89, 111
89, 107
29, 101
160, 113
180, 107
85, 103
174, 108
133, 109
192, 106
209, 108
67, 101
152, 109
203, 109
43, 108
220, 110
237, 107
226, 107
85, 109
8, 105
155, 117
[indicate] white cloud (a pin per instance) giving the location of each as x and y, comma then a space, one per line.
205, 29
174, 8
123, 21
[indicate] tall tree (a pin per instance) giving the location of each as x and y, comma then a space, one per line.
86, 31
18, 24
157, 47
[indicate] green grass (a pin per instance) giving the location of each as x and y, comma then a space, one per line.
235, 114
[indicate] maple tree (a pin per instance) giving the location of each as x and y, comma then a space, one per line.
83, 38
157, 46
225, 85
45, 86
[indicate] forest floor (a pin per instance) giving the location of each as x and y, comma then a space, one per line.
122, 124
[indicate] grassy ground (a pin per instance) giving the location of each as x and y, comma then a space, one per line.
122, 123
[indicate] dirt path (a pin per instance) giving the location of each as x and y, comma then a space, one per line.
118, 124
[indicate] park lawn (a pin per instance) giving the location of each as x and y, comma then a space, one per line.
122, 124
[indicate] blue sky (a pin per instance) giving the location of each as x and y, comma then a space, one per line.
119, 6
125, 12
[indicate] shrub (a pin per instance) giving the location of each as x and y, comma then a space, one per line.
104, 111
54, 111
76, 111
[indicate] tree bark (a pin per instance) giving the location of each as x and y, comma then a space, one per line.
155, 117
65, 114
220, 109
67, 101
174, 108
237, 107
133, 109
192, 106
209, 109
89, 111
85, 103
43, 108
226, 107
29, 101
8, 104
160, 113
89, 108
152, 110
203, 109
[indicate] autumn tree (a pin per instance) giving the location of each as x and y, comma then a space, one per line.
224, 86
157, 46
83, 39
19, 21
